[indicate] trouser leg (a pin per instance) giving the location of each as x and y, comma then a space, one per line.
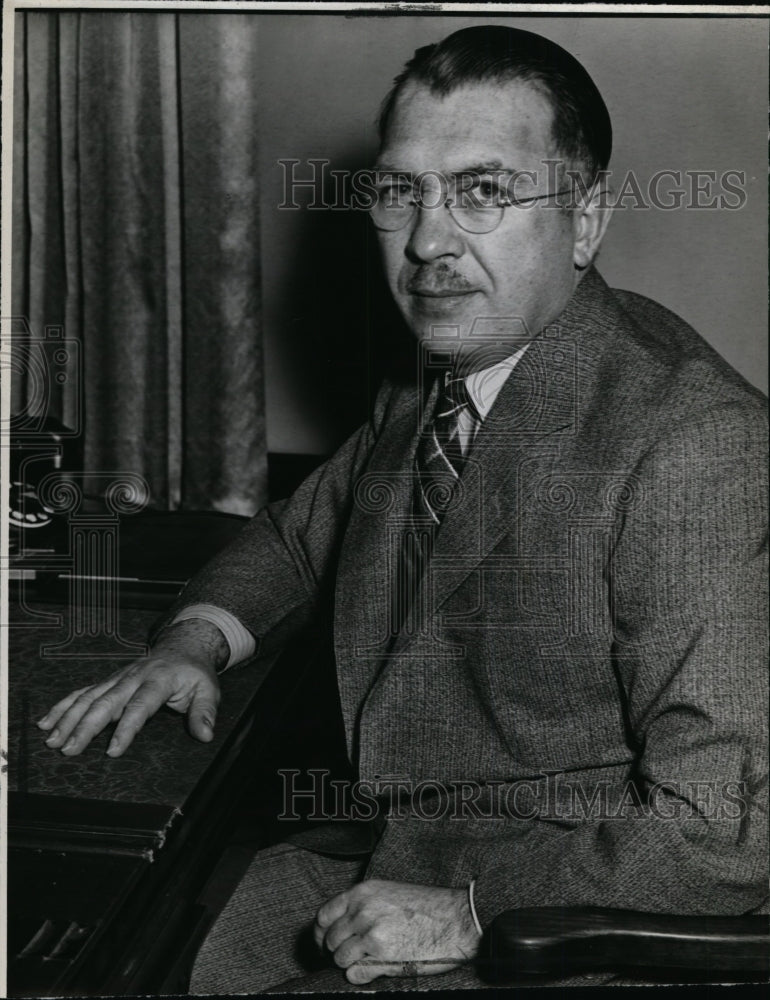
263, 935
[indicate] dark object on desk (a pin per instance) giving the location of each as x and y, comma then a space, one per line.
37, 448
556, 941
164, 548
161, 545
156, 552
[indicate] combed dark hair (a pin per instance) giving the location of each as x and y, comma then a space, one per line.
582, 130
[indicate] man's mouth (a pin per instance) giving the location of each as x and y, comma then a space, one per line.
440, 293
441, 285
438, 282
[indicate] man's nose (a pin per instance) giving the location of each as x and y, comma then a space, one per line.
434, 234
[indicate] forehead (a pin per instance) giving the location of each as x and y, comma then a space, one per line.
505, 123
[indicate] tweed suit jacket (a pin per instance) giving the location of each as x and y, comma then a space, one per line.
585, 697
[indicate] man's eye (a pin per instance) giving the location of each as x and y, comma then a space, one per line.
488, 191
478, 192
394, 194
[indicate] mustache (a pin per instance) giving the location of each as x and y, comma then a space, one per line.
437, 278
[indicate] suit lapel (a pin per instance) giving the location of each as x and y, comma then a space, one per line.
516, 446
381, 507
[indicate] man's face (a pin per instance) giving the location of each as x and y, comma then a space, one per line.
442, 276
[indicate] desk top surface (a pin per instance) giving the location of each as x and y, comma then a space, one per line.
159, 771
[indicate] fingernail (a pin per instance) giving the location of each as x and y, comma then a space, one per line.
113, 749
53, 737
69, 745
42, 722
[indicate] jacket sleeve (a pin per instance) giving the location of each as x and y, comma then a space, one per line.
273, 575
689, 583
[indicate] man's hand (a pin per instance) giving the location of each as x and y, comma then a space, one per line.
179, 672
382, 928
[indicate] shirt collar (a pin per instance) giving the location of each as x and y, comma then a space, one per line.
484, 386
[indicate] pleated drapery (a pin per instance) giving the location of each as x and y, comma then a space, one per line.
136, 232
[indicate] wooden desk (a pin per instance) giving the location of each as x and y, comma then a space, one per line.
106, 857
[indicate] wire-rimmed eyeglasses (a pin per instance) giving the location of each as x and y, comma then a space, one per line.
476, 202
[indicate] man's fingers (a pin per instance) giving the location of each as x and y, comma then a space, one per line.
146, 702
351, 950
341, 930
361, 973
76, 733
76, 703
53, 714
130, 698
366, 969
203, 712
78, 708
332, 910
106, 708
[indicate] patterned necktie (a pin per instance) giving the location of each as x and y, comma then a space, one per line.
438, 467
439, 461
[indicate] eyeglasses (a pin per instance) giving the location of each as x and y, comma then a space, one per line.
475, 202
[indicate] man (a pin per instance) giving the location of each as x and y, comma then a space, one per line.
546, 568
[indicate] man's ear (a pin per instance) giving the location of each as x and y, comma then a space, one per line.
589, 220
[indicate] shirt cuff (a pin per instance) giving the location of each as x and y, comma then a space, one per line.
472, 905
240, 641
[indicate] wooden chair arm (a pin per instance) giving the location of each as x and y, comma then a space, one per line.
556, 940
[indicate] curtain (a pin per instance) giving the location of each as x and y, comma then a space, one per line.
136, 244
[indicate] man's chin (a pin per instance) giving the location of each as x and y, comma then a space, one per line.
463, 337
473, 354
446, 331
441, 318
